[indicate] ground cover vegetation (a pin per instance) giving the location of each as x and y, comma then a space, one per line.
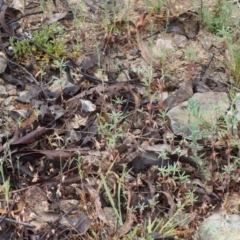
88, 147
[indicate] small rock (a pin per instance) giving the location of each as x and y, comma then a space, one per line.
13, 92
206, 41
8, 100
137, 132
3, 92
88, 106
3, 62
134, 52
60, 84
209, 106
164, 44
2, 82
9, 87
112, 218
219, 227
180, 40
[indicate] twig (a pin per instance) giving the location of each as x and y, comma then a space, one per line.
27, 72
206, 68
20, 223
151, 35
23, 16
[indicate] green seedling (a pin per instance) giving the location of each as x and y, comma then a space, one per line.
233, 62
217, 19
154, 7
5, 187
44, 38
79, 166
117, 209
110, 131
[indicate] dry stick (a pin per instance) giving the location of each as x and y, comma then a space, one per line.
20, 223
23, 16
27, 72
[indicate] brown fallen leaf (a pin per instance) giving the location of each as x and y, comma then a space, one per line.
81, 222
57, 16
32, 136
171, 202
126, 227
20, 205
97, 203
147, 56
56, 154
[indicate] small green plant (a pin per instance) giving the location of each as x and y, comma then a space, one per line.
190, 54
219, 18
233, 63
110, 131
164, 226
119, 100
45, 38
173, 173
61, 65
120, 187
154, 7
5, 187
147, 75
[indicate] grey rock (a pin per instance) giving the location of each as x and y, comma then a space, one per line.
3, 92
3, 62
87, 106
111, 217
9, 87
209, 107
164, 44
2, 82
59, 85
180, 40
134, 52
219, 227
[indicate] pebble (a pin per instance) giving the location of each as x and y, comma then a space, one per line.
134, 52
13, 92
180, 40
2, 82
9, 87
3, 62
164, 44
3, 92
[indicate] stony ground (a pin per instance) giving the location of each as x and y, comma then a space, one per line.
119, 120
